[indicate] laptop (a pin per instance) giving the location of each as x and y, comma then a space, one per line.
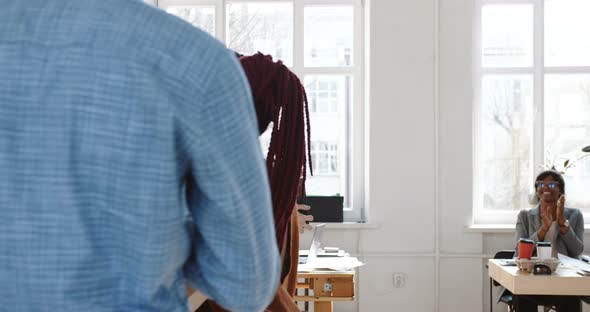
316, 243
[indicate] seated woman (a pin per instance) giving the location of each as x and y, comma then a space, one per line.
551, 222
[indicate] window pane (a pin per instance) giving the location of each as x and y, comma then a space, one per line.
327, 94
266, 27
330, 100
507, 35
200, 16
566, 33
567, 131
505, 142
328, 35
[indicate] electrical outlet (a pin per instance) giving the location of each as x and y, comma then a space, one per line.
327, 287
399, 279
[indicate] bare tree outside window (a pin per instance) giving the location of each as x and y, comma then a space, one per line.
261, 27
200, 16
507, 133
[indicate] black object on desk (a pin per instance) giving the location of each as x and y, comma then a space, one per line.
541, 269
324, 208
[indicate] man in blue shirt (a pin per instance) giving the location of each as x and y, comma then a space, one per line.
129, 163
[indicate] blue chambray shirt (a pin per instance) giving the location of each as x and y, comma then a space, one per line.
129, 163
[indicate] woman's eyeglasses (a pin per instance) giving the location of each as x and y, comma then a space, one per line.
541, 184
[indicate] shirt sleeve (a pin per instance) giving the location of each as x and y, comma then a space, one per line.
235, 259
574, 237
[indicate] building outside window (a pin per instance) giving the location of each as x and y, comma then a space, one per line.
325, 158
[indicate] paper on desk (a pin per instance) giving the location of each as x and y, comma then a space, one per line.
331, 263
572, 263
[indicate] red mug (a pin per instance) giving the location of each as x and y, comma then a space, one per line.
525, 248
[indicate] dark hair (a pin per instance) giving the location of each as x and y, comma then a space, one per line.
279, 97
556, 176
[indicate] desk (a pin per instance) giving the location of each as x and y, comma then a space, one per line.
327, 287
564, 281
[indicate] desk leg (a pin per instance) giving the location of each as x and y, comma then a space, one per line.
323, 306
306, 304
491, 307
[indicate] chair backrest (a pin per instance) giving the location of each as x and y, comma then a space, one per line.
505, 254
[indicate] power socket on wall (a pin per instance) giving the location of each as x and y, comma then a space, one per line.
399, 279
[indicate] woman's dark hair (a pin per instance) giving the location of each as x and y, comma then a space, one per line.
279, 97
556, 176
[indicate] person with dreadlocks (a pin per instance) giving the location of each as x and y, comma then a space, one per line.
280, 99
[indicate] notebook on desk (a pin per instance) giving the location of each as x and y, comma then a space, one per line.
316, 244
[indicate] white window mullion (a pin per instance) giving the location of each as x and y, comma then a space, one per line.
260, 1
538, 93
506, 2
356, 128
327, 2
163, 4
327, 70
298, 39
220, 21
567, 70
476, 114
507, 70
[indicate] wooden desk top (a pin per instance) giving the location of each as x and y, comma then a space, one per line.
328, 274
564, 281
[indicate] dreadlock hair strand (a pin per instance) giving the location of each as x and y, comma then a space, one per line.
280, 98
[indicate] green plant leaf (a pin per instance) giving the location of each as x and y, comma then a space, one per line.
566, 162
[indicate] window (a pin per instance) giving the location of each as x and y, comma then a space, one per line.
532, 104
321, 41
325, 93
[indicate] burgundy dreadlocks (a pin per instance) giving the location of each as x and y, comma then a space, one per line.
280, 97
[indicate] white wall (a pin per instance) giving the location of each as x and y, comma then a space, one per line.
419, 144
420, 164
420, 159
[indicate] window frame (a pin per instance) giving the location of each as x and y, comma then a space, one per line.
316, 97
537, 71
331, 151
355, 130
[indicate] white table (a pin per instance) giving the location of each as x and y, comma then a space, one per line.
564, 281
